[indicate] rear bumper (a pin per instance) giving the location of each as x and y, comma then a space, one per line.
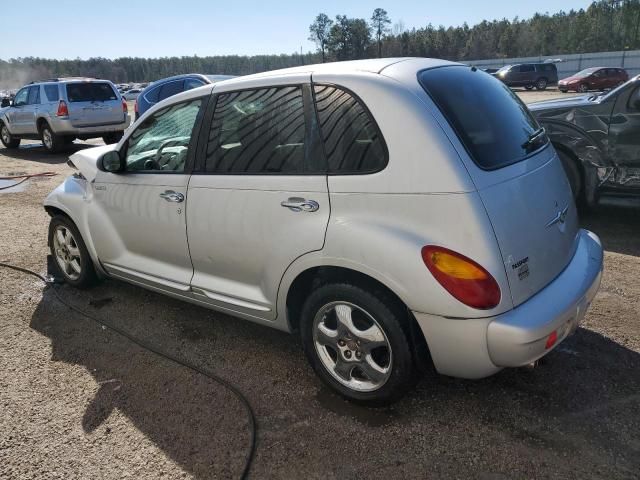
476, 348
63, 126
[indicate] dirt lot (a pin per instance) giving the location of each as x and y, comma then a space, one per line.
78, 401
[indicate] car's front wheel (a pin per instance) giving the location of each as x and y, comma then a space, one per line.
8, 140
70, 253
356, 342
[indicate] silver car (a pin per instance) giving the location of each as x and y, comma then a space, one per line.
395, 213
58, 111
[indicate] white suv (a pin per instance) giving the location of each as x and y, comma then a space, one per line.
60, 110
393, 212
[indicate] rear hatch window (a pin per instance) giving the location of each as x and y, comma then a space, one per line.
90, 92
492, 123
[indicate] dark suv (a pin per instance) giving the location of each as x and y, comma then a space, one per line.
528, 75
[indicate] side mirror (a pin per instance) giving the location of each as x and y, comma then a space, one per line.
111, 162
5, 103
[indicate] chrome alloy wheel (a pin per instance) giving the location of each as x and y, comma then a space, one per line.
47, 139
352, 346
67, 252
4, 133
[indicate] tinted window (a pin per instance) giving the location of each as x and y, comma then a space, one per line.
634, 100
161, 143
52, 93
21, 97
527, 68
153, 95
352, 140
34, 95
169, 89
258, 131
90, 92
490, 120
190, 83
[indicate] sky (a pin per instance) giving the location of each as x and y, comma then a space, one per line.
160, 28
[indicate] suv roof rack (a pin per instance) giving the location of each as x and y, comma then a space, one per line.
61, 79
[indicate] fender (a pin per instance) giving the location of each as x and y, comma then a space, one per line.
590, 152
70, 197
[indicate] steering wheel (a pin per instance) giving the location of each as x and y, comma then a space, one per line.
158, 156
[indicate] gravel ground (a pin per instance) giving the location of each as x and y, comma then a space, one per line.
78, 401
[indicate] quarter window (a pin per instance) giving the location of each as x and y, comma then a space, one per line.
258, 132
52, 93
190, 83
161, 143
352, 140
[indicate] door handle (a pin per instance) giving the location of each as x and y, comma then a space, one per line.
297, 204
171, 196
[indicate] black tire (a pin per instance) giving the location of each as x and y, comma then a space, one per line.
583, 88
569, 163
391, 319
528, 87
52, 143
112, 137
87, 275
7, 139
542, 83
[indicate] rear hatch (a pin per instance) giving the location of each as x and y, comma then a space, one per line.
92, 103
518, 175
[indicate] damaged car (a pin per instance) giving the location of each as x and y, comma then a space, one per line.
598, 140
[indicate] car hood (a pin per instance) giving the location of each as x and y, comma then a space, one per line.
570, 79
87, 160
571, 102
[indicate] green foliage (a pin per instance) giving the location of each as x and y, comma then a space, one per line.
606, 25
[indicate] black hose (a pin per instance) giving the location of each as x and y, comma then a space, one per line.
225, 383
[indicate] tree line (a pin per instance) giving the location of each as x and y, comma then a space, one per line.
606, 25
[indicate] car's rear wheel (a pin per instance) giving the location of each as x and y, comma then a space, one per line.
70, 253
112, 137
356, 343
8, 140
573, 174
583, 88
541, 84
52, 143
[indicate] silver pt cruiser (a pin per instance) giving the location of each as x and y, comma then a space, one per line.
392, 212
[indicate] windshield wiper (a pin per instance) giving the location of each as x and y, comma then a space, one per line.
532, 138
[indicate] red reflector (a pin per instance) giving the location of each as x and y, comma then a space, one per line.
63, 111
125, 109
463, 278
551, 340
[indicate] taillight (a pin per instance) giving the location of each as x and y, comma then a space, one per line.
63, 111
462, 277
125, 109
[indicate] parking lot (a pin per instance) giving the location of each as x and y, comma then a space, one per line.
79, 401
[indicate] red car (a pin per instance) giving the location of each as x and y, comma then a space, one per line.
596, 78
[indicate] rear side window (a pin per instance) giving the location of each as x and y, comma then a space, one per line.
170, 89
90, 92
34, 95
352, 140
492, 123
52, 93
258, 132
153, 95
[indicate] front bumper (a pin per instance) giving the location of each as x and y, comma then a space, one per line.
476, 348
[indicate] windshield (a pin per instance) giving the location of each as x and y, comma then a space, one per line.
586, 72
492, 123
504, 69
90, 92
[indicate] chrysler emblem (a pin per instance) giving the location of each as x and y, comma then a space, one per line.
560, 217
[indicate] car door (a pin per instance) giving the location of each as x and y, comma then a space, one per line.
137, 219
30, 111
259, 200
624, 128
17, 112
